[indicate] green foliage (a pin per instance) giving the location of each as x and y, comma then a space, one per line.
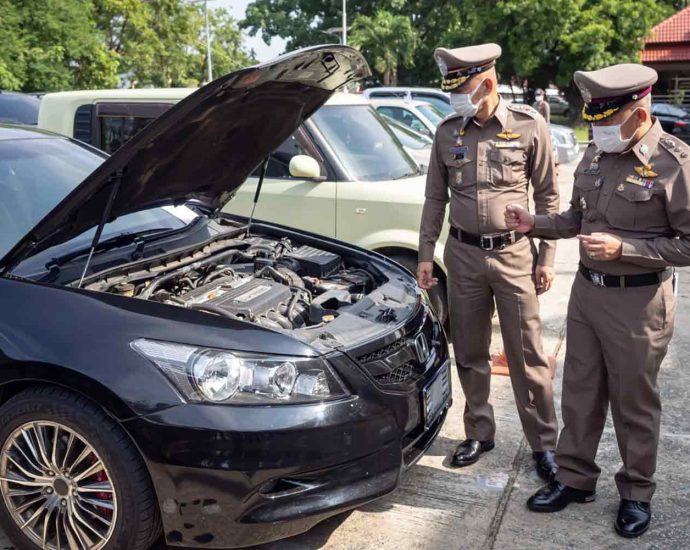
387, 41
52, 45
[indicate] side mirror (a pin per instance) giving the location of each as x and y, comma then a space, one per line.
304, 166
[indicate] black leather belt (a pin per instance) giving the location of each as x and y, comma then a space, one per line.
497, 241
625, 281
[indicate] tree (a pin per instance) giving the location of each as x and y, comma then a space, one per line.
387, 41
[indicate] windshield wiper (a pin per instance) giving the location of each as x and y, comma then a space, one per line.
117, 241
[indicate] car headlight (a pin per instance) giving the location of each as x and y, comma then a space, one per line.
218, 376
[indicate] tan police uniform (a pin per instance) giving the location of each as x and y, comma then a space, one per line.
480, 169
619, 328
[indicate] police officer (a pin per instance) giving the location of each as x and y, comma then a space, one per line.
631, 211
485, 156
541, 105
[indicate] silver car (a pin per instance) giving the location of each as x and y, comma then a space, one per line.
566, 142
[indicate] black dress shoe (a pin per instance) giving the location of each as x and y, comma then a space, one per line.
633, 518
546, 464
555, 496
468, 451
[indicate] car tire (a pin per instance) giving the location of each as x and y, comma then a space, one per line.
437, 295
71, 426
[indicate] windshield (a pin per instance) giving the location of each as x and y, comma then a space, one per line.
407, 136
364, 143
36, 174
432, 113
442, 105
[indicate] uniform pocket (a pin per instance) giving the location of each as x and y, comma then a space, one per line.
507, 166
635, 207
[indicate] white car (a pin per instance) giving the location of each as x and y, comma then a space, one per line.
416, 144
421, 116
438, 98
566, 142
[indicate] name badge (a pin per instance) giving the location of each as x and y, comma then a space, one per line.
508, 145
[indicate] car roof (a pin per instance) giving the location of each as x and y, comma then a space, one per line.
404, 89
122, 93
9, 132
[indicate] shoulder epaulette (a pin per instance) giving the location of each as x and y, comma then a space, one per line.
676, 148
524, 109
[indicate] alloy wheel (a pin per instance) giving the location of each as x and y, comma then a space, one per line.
56, 487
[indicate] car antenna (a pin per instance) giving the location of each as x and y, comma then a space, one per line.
264, 164
116, 179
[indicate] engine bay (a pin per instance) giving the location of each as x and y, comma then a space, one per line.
273, 283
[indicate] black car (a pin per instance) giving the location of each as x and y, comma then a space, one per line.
673, 120
165, 368
17, 108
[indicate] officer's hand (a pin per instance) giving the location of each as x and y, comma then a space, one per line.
425, 275
603, 247
543, 278
518, 219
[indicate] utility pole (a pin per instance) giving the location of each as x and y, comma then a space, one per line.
208, 43
345, 22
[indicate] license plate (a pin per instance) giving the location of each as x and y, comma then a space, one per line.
436, 395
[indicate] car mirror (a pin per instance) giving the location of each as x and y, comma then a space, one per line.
304, 166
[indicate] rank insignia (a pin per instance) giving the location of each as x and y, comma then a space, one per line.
639, 181
645, 171
644, 149
583, 203
508, 135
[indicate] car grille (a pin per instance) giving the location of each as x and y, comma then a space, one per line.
397, 364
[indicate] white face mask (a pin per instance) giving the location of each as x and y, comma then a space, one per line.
462, 103
609, 139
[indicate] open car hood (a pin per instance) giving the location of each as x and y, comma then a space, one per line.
205, 146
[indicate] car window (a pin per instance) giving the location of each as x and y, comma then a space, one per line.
442, 105
387, 94
120, 122
36, 174
659, 109
405, 116
279, 162
407, 136
363, 142
431, 113
676, 111
18, 108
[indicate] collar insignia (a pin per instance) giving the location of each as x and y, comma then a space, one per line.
645, 171
508, 135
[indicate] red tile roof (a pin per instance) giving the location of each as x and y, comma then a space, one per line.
662, 53
674, 29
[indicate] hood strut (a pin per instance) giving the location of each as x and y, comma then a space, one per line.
115, 180
264, 164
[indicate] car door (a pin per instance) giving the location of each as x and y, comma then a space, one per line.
284, 199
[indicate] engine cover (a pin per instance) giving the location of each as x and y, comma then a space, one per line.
248, 300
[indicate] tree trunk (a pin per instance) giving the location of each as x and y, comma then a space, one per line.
394, 76
387, 78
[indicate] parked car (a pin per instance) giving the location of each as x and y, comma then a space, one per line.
168, 368
565, 140
673, 120
415, 143
559, 105
16, 108
422, 117
363, 215
436, 97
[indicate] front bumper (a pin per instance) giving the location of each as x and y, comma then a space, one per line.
229, 477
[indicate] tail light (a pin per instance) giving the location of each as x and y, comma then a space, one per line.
681, 124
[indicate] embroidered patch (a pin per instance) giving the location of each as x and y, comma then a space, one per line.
639, 181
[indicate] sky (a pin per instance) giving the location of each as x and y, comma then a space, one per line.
237, 9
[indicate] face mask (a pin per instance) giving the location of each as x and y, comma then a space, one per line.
609, 139
462, 103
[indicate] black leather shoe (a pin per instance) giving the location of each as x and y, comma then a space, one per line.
633, 518
555, 496
469, 451
546, 464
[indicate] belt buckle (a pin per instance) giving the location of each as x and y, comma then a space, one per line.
483, 239
596, 278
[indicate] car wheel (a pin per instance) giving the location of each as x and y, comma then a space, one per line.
437, 294
70, 476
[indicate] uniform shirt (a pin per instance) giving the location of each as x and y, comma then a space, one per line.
484, 168
642, 196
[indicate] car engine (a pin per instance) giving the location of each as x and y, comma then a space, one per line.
272, 283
